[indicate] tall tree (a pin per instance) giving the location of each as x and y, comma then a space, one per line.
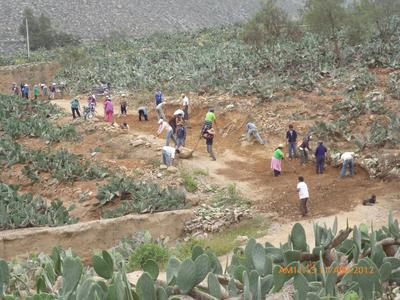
326, 17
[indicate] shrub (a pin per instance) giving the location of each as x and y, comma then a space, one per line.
146, 251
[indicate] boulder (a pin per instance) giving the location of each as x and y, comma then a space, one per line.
172, 169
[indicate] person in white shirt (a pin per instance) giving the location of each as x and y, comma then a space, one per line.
347, 159
185, 104
168, 155
169, 135
160, 111
302, 189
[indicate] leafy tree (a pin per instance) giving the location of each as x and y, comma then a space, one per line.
268, 25
327, 17
42, 34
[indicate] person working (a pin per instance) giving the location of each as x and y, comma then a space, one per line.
304, 148
209, 136
169, 132
347, 160
160, 111
168, 155
276, 162
320, 153
252, 131
75, 107
143, 113
185, 105
209, 120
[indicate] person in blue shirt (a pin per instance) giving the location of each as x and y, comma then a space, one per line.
320, 153
291, 137
159, 97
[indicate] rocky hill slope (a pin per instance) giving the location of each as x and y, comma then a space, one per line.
91, 19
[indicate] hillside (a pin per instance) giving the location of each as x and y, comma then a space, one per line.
94, 19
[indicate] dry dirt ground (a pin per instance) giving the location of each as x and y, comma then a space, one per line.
239, 162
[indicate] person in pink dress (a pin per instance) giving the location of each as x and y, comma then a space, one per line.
108, 110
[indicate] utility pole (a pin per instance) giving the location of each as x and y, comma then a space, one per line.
27, 36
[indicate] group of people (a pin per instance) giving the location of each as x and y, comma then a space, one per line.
304, 149
25, 91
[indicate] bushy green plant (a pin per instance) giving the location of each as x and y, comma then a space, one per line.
190, 183
149, 250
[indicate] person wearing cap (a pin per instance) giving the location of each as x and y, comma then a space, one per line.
291, 138
304, 148
185, 105
209, 137
160, 111
320, 153
169, 132
347, 159
276, 161
252, 131
209, 120
143, 113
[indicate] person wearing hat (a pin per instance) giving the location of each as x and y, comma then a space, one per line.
320, 153
169, 132
209, 136
304, 148
276, 161
185, 105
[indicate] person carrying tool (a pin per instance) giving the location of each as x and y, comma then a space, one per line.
291, 138
209, 120
276, 161
169, 132
143, 113
209, 135
252, 131
75, 107
304, 148
347, 159
320, 153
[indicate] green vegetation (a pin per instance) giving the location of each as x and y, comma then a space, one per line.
190, 183
24, 210
42, 34
138, 197
335, 268
19, 118
150, 250
230, 196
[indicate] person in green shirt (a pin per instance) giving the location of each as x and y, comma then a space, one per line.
75, 107
208, 121
276, 161
36, 91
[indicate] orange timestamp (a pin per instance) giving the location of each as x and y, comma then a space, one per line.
314, 269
